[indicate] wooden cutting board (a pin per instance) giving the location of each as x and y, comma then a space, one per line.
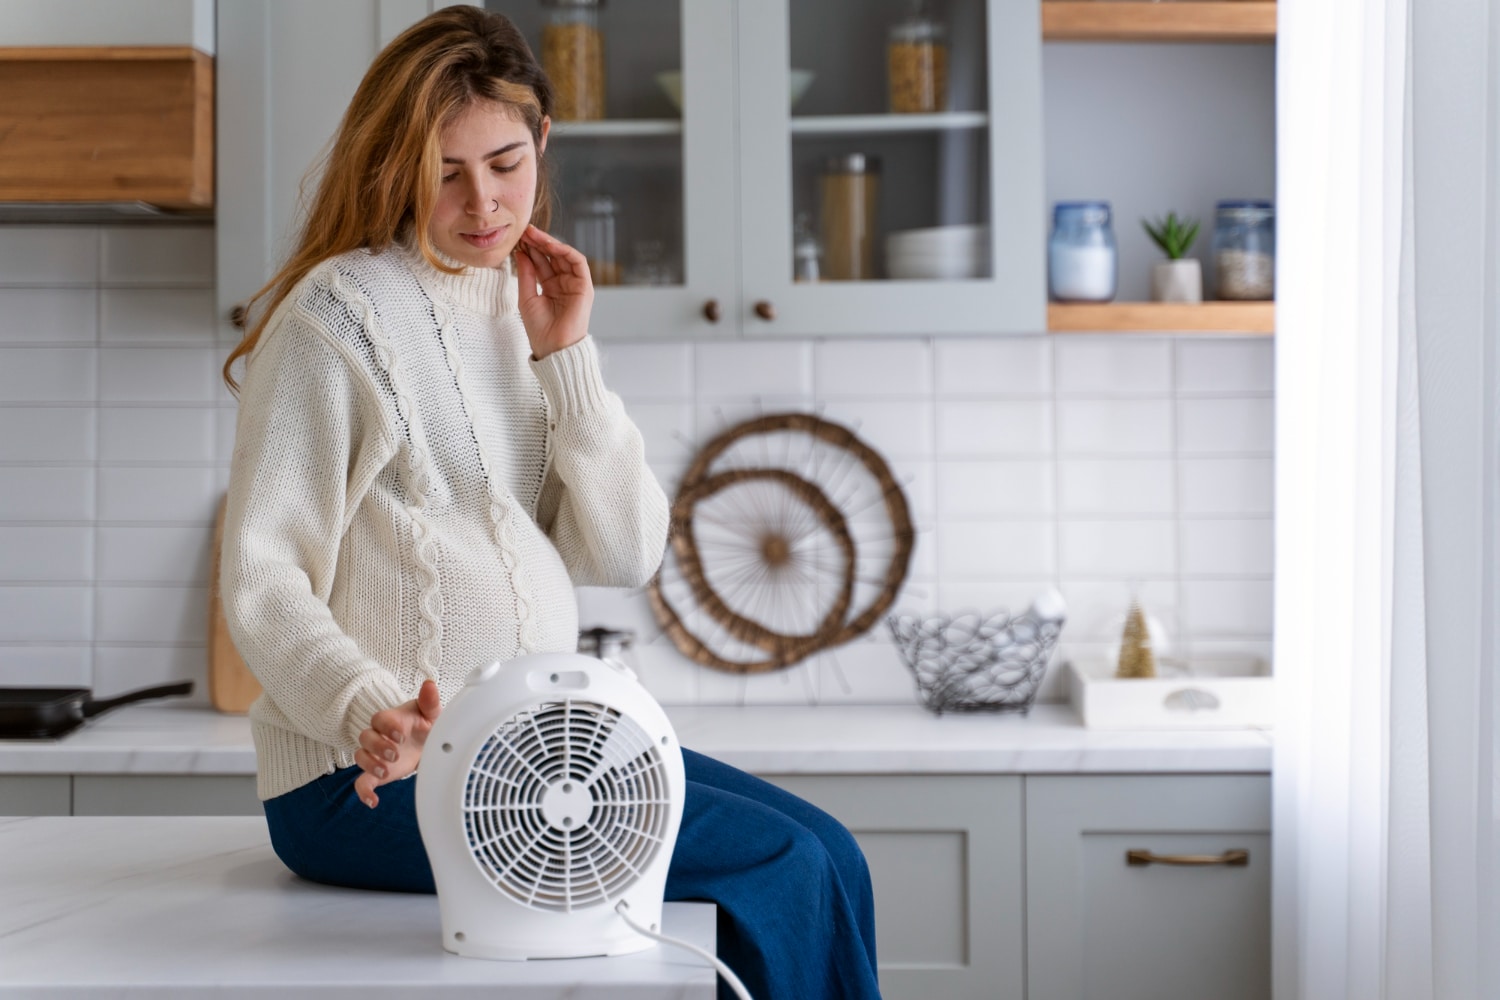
231, 685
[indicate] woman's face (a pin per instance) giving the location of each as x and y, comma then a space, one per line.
488, 185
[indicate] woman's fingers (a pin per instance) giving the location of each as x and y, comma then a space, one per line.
364, 787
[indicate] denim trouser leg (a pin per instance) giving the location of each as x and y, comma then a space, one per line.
796, 911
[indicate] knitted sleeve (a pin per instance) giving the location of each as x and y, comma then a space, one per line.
308, 443
600, 503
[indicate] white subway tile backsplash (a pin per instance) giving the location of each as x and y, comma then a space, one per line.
995, 550
157, 316
157, 494
47, 374
46, 433
158, 434
873, 368
897, 429
47, 494
1227, 547
1011, 427
1025, 462
177, 554
41, 613
1097, 608
49, 315
996, 488
1227, 607
139, 255
46, 666
48, 255
158, 374
1227, 485
1114, 486
648, 370
46, 553
1114, 427
1226, 365
667, 429
163, 615
1020, 366
1220, 426
1120, 549
749, 368
988, 597
118, 669
1113, 366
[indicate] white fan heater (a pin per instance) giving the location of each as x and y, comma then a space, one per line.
550, 793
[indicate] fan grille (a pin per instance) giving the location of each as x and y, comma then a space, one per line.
566, 804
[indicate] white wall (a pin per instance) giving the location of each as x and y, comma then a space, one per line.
1085, 462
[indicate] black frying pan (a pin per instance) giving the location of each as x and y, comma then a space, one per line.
47, 713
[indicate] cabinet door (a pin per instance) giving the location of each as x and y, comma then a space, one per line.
959, 189
165, 795
286, 72
1098, 926
647, 190
945, 859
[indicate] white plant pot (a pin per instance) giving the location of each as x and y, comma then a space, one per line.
1177, 281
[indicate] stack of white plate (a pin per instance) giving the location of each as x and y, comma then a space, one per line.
942, 252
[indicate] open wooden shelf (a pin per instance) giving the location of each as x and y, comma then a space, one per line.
107, 124
1171, 21
1162, 317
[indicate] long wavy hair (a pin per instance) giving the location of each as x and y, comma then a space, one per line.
382, 170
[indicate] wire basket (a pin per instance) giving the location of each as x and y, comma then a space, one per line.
972, 663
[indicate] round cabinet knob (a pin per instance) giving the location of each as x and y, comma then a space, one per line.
238, 315
765, 310
711, 310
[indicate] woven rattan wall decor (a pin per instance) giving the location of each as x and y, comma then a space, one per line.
789, 535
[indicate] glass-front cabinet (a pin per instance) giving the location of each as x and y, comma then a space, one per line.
801, 167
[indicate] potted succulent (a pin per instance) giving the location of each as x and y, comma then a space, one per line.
1179, 278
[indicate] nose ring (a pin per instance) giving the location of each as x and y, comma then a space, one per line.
494, 205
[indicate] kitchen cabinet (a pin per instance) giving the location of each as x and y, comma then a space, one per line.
1099, 926
945, 856
285, 73
707, 198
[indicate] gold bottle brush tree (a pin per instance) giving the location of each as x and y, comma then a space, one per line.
1136, 658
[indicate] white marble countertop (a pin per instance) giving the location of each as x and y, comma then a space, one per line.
828, 739
188, 906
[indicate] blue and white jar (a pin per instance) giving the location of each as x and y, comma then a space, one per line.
1082, 263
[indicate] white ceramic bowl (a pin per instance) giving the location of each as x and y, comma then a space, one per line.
798, 80
936, 267
939, 239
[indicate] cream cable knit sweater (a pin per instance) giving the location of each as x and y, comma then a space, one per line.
412, 496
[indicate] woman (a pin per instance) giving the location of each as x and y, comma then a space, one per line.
426, 462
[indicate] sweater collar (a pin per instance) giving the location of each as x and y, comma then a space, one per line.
489, 291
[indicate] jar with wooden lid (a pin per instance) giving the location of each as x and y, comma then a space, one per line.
848, 193
917, 63
573, 58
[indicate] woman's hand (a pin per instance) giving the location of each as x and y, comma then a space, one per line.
392, 746
558, 315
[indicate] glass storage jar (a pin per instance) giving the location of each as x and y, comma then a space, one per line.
594, 237
848, 194
573, 58
1081, 259
917, 63
1244, 249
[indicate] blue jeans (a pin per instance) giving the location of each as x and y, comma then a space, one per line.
796, 911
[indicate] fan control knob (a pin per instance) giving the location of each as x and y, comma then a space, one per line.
481, 674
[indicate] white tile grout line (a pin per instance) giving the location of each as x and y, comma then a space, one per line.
94, 613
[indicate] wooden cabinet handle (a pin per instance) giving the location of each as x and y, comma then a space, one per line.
711, 310
1233, 859
765, 310
238, 315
